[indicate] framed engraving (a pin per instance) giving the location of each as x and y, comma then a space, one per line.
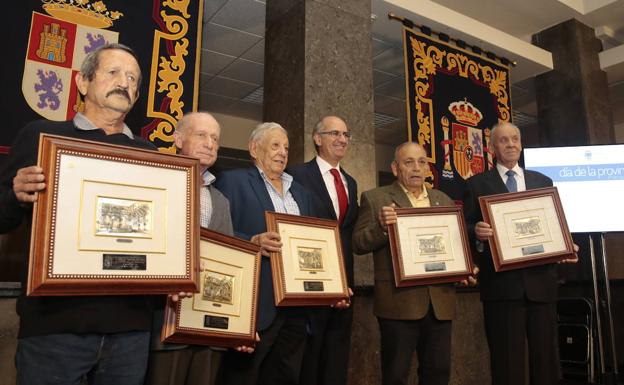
310, 268
223, 312
113, 220
529, 228
429, 246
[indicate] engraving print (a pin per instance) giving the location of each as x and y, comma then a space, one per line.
527, 227
123, 217
218, 287
431, 244
310, 258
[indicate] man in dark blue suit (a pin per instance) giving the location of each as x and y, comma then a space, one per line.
518, 305
266, 187
334, 196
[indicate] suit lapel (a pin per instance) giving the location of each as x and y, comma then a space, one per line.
495, 182
530, 181
319, 187
434, 198
259, 189
398, 196
213, 217
299, 198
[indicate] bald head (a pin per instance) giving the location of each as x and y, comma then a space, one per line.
507, 144
198, 134
331, 138
410, 166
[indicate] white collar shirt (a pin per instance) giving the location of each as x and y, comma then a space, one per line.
519, 175
328, 178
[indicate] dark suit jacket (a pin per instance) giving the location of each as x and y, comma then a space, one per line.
536, 283
309, 176
405, 303
249, 199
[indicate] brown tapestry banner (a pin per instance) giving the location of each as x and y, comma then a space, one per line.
47, 40
454, 97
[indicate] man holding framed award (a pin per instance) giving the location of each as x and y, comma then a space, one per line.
416, 318
334, 196
66, 339
518, 305
266, 187
197, 135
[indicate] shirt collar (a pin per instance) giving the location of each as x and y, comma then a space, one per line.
324, 166
286, 178
424, 194
208, 178
502, 170
82, 123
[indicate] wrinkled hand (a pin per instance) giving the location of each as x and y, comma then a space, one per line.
269, 242
247, 349
344, 303
472, 279
483, 231
387, 216
574, 258
180, 295
27, 182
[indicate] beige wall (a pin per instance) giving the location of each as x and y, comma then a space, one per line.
234, 130
384, 154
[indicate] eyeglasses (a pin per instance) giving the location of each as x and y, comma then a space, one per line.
336, 134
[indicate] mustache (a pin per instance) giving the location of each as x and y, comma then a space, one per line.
119, 91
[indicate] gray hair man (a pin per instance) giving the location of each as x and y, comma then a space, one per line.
518, 305
334, 196
266, 187
414, 318
62, 340
197, 135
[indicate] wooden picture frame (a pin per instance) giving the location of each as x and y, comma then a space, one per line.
429, 246
113, 220
223, 313
530, 228
309, 271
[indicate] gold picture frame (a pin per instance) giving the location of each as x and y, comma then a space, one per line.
223, 313
113, 220
529, 228
310, 268
429, 246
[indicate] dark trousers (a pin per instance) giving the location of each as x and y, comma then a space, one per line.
277, 358
429, 337
72, 359
326, 359
509, 325
193, 365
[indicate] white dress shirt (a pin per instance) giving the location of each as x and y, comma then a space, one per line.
519, 175
328, 178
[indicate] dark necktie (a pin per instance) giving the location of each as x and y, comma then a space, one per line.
511, 184
342, 194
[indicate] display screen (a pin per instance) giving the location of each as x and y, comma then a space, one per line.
590, 181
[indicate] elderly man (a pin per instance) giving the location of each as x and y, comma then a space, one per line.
411, 318
334, 196
266, 187
197, 134
518, 305
62, 340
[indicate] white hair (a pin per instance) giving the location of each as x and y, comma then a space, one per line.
263, 128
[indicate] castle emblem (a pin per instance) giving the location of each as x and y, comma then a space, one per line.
52, 43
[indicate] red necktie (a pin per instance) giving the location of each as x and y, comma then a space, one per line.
342, 194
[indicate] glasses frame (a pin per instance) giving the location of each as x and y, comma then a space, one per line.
336, 134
